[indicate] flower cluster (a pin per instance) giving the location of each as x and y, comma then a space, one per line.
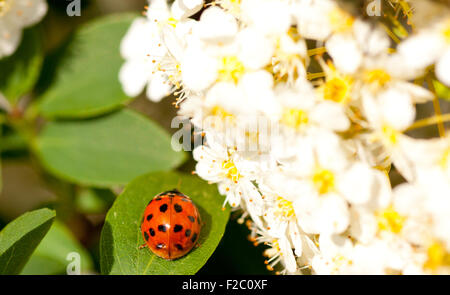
14, 16
304, 109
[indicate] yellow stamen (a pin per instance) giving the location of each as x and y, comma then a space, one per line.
5, 5
445, 160
446, 32
231, 170
337, 89
390, 220
231, 69
340, 20
339, 261
284, 208
295, 118
220, 112
276, 245
324, 181
437, 256
377, 77
390, 134
171, 21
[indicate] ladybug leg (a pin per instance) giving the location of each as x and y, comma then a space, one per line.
142, 246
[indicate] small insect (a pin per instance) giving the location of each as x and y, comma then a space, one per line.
171, 225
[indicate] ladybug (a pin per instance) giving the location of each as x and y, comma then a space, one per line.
171, 225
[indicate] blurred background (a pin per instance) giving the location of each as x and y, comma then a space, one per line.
81, 211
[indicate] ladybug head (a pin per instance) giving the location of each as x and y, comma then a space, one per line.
173, 192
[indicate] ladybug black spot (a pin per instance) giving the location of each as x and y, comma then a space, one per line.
146, 236
150, 216
177, 228
160, 246
198, 220
162, 228
152, 232
194, 237
191, 218
158, 199
178, 208
163, 208
179, 247
187, 233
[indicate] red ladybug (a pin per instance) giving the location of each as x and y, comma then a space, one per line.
171, 225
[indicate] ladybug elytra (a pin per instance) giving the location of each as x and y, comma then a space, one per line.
171, 225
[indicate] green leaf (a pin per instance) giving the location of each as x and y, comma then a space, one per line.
442, 91
86, 80
121, 235
19, 72
50, 257
94, 201
19, 239
106, 151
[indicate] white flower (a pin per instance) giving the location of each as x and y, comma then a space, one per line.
339, 255
14, 16
272, 17
143, 56
232, 172
319, 207
280, 199
350, 48
430, 45
221, 54
431, 159
318, 19
305, 153
389, 115
151, 48
307, 112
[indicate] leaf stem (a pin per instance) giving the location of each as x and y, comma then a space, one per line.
429, 121
436, 105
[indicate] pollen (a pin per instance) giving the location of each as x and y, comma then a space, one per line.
377, 77
5, 5
295, 118
339, 260
284, 208
337, 89
220, 112
446, 32
437, 256
390, 134
323, 180
231, 69
231, 170
444, 162
390, 220
171, 21
340, 20
276, 245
